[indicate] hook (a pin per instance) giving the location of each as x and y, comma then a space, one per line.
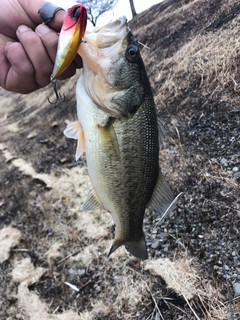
59, 97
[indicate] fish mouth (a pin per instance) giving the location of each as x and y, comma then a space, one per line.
104, 39
103, 48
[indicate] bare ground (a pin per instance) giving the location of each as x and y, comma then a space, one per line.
53, 258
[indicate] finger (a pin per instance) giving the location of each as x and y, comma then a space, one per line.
68, 73
49, 39
71, 70
37, 54
17, 77
32, 8
78, 61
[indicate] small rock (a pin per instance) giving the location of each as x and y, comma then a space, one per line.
235, 169
236, 175
44, 141
236, 288
54, 124
117, 278
71, 271
157, 316
32, 134
162, 235
63, 160
155, 244
224, 162
81, 272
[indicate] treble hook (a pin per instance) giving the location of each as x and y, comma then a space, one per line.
59, 97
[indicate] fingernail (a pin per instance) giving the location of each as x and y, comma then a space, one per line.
42, 29
23, 28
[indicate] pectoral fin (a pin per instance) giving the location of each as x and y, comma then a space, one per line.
162, 199
72, 130
109, 140
75, 131
91, 203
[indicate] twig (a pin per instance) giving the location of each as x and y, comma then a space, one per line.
168, 208
191, 308
155, 302
67, 257
85, 284
144, 45
72, 286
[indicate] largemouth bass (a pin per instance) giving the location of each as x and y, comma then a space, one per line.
118, 129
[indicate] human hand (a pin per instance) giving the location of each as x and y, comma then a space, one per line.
27, 47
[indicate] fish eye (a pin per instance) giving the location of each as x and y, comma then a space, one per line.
132, 53
75, 13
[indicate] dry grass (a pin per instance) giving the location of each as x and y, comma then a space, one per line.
209, 60
213, 59
9, 238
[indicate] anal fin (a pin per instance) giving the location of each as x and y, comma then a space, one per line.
91, 203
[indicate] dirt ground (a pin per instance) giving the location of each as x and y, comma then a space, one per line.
53, 258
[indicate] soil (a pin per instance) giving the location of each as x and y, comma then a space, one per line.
42, 188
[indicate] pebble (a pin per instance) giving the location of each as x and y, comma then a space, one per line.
236, 175
117, 278
155, 244
235, 169
157, 316
236, 288
81, 272
224, 162
71, 271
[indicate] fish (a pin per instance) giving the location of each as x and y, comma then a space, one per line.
120, 133
70, 37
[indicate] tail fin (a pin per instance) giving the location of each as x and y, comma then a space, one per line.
115, 246
137, 248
